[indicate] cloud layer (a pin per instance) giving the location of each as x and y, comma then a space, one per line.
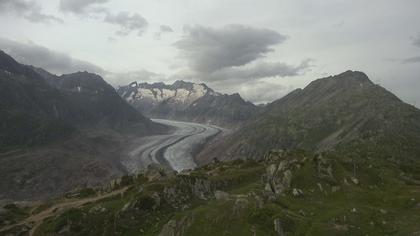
29, 10
61, 63
166, 29
416, 41
78, 6
52, 61
262, 92
163, 29
412, 60
209, 49
258, 71
121, 79
230, 60
127, 22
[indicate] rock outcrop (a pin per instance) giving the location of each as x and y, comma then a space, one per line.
279, 172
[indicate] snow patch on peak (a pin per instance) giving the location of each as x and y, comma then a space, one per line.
181, 95
180, 92
198, 91
144, 94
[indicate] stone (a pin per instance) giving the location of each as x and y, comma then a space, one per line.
287, 178
335, 189
320, 187
271, 170
202, 188
157, 199
278, 228
302, 212
126, 206
169, 229
297, 192
97, 209
355, 180
220, 195
156, 172
346, 182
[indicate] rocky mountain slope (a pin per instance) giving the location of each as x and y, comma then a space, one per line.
345, 112
37, 107
188, 101
57, 133
31, 111
285, 193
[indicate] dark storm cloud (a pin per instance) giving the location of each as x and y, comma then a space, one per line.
258, 71
55, 62
79, 6
61, 63
29, 10
127, 22
412, 60
209, 49
416, 41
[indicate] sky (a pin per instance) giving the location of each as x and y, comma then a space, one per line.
260, 49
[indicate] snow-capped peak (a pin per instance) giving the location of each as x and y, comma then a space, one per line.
180, 92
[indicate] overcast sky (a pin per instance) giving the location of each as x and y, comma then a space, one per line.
262, 49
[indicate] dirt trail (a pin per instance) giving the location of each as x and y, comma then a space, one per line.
34, 221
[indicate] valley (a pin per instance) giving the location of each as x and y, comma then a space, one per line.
209, 118
79, 157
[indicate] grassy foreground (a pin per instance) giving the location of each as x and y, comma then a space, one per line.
286, 193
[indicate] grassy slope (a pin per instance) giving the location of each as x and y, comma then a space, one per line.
386, 201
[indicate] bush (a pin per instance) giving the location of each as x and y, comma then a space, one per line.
87, 192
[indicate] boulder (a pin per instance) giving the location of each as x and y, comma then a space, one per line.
156, 172
278, 228
297, 192
177, 227
220, 195
278, 178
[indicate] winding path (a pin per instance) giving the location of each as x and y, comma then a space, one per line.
35, 220
175, 150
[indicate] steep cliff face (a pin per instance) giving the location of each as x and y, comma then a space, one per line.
188, 101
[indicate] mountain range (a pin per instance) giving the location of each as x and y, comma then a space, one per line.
338, 157
56, 128
43, 107
189, 102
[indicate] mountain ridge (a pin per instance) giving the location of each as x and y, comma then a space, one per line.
332, 113
61, 132
188, 101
